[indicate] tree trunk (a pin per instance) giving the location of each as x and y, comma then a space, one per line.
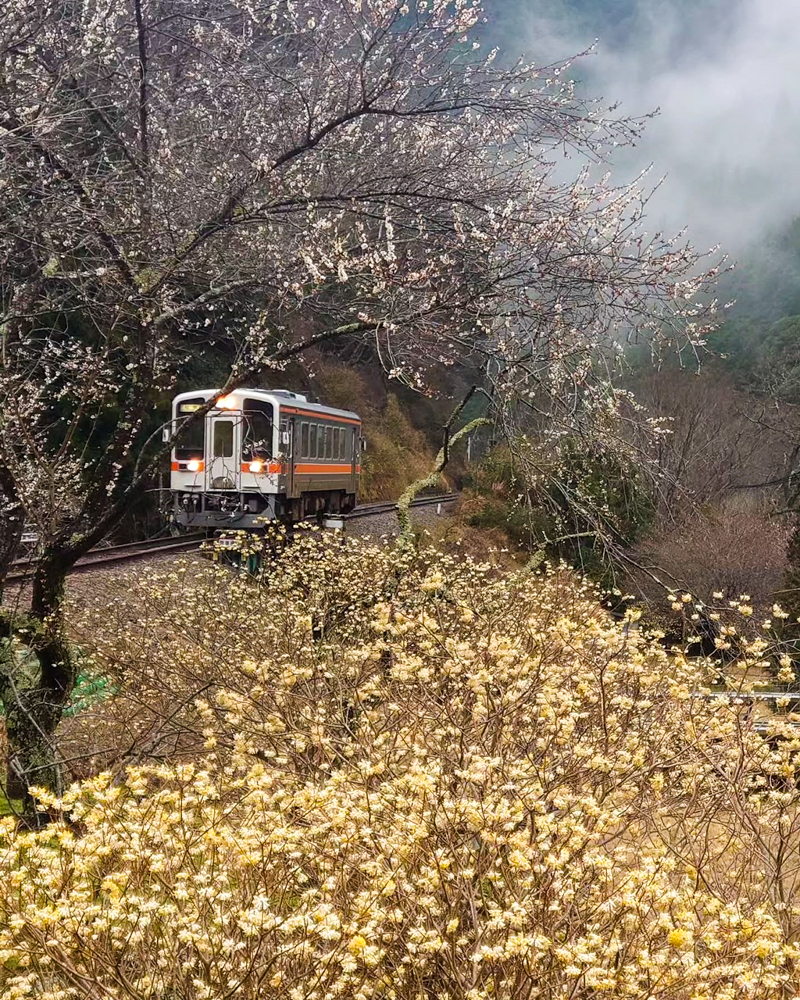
12, 523
37, 677
47, 608
31, 721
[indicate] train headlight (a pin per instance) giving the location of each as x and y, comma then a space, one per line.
193, 465
256, 466
226, 403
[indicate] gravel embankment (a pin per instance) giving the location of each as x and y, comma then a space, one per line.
386, 525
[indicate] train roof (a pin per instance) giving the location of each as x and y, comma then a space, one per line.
284, 398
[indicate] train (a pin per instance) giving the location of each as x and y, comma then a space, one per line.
261, 456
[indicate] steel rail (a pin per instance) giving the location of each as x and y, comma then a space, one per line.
24, 569
390, 506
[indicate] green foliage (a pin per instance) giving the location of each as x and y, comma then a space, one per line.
603, 499
21, 625
89, 689
579, 510
499, 493
9, 807
762, 328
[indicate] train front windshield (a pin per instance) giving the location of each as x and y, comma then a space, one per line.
192, 441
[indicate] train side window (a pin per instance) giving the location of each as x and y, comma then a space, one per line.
328, 437
223, 439
312, 445
342, 442
304, 440
335, 442
258, 427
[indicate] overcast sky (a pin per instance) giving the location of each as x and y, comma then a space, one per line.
726, 77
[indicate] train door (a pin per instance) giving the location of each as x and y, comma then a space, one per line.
288, 452
222, 453
355, 457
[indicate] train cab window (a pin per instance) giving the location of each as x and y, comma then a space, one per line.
257, 430
312, 441
304, 440
223, 439
192, 443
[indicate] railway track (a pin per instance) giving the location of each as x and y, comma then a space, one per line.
389, 506
23, 569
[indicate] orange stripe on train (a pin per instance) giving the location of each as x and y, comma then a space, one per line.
308, 469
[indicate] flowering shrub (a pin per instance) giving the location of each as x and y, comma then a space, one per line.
411, 779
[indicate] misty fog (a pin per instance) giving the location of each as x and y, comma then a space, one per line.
726, 81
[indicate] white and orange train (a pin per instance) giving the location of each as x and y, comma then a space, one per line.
262, 455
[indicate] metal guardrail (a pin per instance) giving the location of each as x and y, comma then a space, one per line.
748, 695
766, 728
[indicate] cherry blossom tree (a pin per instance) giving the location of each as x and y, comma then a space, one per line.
269, 175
